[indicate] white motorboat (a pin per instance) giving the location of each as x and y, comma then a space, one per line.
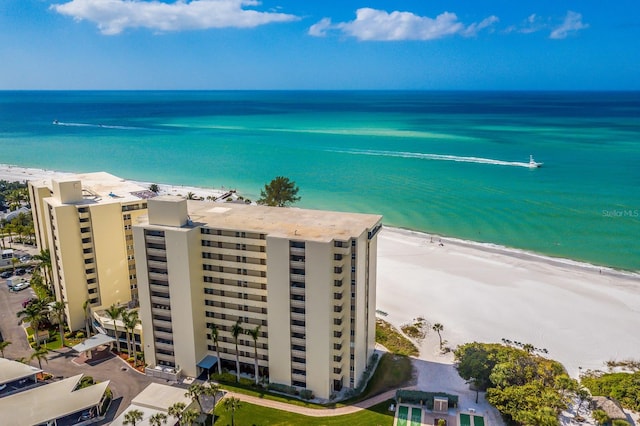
533, 164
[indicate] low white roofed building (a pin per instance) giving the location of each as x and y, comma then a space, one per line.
154, 399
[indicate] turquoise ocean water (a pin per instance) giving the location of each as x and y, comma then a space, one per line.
445, 162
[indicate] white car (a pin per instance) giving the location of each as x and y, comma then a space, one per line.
21, 286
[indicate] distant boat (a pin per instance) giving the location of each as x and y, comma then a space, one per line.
533, 164
56, 122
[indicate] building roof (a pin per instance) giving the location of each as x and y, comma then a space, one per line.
49, 402
155, 398
11, 371
292, 223
160, 397
93, 342
104, 188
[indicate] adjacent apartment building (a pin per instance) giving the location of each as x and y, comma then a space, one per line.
306, 278
86, 222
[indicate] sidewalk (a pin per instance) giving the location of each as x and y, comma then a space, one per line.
315, 412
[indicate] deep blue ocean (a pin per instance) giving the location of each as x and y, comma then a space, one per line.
452, 163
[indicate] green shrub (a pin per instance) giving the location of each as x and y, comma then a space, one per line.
619, 422
624, 387
80, 335
290, 390
306, 394
224, 378
246, 382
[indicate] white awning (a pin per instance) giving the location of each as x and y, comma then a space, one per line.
93, 342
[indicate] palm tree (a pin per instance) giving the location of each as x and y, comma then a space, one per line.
34, 313
58, 311
3, 346
130, 320
176, 410
437, 327
40, 354
114, 312
232, 404
14, 262
212, 390
189, 417
132, 417
154, 188
191, 196
195, 391
236, 330
85, 308
44, 263
158, 419
214, 337
255, 333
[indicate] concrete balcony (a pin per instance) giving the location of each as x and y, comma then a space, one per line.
296, 251
156, 264
156, 252
297, 264
163, 346
298, 354
154, 239
297, 277
160, 300
299, 342
162, 323
158, 276
159, 288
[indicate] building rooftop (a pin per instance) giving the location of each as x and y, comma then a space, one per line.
50, 402
311, 225
11, 371
103, 188
155, 398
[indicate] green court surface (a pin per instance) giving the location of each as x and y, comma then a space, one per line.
478, 421
403, 415
416, 416
465, 420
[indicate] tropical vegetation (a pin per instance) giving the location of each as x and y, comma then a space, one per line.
389, 337
622, 386
280, 192
526, 388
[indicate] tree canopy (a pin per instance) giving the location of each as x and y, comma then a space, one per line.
280, 192
526, 388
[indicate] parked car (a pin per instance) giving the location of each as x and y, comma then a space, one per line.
21, 271
6, 274
21, 286
25, 258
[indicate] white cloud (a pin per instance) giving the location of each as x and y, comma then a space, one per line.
532, 24
374, 24
115, 16
320, 28
473, 29
572, 23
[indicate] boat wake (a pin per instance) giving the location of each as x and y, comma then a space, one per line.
104, 126
437, 157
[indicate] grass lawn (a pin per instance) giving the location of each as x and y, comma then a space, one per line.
393, 371
249, 414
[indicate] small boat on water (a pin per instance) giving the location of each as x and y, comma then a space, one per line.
56, 122
533, 164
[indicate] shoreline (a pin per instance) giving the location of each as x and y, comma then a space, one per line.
14, 172
582, 313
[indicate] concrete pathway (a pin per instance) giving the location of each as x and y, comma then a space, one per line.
314, 412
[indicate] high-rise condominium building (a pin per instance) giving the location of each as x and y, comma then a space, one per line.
306, 278
86, 223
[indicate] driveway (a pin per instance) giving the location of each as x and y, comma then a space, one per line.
125, 382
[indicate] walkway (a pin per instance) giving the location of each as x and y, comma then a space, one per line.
315, 412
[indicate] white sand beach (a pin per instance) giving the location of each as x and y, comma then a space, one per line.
582, 314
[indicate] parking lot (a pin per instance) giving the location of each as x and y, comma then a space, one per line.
125, 383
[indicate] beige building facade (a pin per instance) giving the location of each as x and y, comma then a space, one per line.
86, 223
305, 278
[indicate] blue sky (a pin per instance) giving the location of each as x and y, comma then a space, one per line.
297, 44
